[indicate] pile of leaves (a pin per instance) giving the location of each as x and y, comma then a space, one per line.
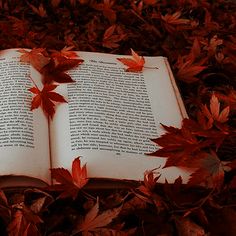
199, 39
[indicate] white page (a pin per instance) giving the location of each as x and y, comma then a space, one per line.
24, 143
111, 130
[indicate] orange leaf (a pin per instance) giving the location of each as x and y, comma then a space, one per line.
187, 71
46, 99
135, 64
65, 52
36, 57
171, 21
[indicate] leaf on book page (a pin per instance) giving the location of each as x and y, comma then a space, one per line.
46, 99
135, 64
55, 69
94, 221
70, 184
37, 57
178, 144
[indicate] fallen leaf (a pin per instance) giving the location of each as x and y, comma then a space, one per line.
210, 172
37, 57
171, 22
69, 184
135, 64
94, 221
55, 69
46, 99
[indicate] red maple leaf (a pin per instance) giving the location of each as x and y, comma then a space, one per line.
112, 39
210, 172
55, 69
173, 22
46, 99
70, 184
187, 70
39, 11
37, 57
65, 52
135, 64
213, 116
94, 221
106, 8
24, 222
178, 144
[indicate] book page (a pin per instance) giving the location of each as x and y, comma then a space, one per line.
24, 143
112, 115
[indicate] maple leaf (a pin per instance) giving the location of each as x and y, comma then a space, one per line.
70, 184
178, 144
135, 64
170, 22
187, 71
210, 172
111, 40
46, 99
214, 116
37, 57
94, 221
39, 11
65, 52
106, 8
55, 69
24, 222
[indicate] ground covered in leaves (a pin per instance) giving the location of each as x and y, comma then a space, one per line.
199, 39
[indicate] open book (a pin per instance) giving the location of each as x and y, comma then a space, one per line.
109, 119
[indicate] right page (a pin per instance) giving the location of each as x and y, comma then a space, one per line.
112, 115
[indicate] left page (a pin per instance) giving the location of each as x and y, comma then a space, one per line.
24, 144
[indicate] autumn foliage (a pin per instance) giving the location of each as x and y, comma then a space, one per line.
199, 40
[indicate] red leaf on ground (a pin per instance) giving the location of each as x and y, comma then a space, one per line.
111, 38
213, 116
135, 64
70, 184
24, 223
94, 221
210, 171
170, 22
106, 8
187, 71
46, 99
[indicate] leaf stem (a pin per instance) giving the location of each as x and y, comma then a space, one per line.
33, 82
